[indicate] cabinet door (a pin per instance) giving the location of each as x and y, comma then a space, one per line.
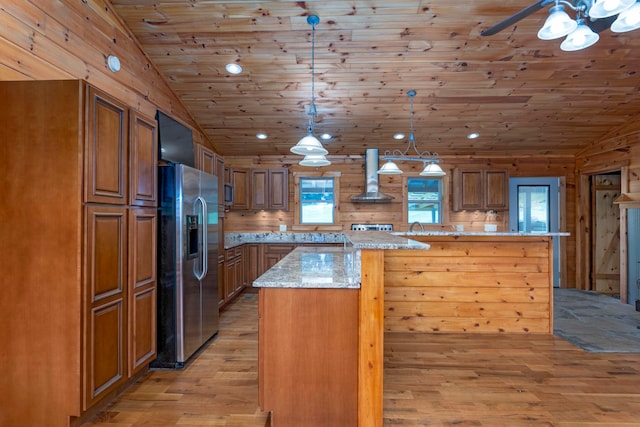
143, 161
106, 301
259, 189
278, 192
219, 160
143, 224
253, 262
496, 190
106, 160
241, 194
206, 160
229, 278
467, 185
274, 253
222, 280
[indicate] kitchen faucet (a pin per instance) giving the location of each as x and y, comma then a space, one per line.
414, 223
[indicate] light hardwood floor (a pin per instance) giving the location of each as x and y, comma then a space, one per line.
430, 380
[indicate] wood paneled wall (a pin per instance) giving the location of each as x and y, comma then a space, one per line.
620, 151
352, 182
470, 284
71, 39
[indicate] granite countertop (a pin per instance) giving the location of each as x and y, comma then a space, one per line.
474, 233
355, 239
319, 267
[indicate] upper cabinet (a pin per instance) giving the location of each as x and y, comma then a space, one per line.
270, 189
106, 150
210, 162
240, 182
143, 161
480, 189
206, 160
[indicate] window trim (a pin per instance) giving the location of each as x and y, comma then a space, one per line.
337, 225
444, 201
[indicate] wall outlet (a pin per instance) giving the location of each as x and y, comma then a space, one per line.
283, 227
459, 227
490, 227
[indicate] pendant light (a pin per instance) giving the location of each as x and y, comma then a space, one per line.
628, 20
557, 25
429, 160
309, 145
580, 38
607, 8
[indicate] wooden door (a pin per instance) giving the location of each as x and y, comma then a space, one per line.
143, 225
143, 158
106, 301
605, 276
106, 160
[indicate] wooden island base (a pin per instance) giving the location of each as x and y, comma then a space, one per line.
308, 356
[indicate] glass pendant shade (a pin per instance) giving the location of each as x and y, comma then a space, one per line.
389, 168
582, 37
309, 145
316, 160
432, 169
606, 8
557, 25
628, 20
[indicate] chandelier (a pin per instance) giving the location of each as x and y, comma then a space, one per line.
599, 14
429, 160
309, 146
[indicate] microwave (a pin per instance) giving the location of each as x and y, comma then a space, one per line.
228, 194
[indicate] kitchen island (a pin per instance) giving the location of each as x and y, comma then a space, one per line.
329, 318
321, 332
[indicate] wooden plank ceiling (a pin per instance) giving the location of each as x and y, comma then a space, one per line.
523, 95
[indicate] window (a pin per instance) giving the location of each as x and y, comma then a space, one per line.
316, 195
316, 200
424, 200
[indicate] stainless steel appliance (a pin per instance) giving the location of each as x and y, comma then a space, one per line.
372, 227
187, 264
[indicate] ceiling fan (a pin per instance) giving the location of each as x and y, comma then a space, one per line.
598, 15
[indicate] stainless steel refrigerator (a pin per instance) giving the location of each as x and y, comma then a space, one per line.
187, 263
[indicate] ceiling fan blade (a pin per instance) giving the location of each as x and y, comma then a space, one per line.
601, 24
529, 10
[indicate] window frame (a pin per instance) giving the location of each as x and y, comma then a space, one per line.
336, 225
444, 199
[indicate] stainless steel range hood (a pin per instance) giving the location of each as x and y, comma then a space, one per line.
372, 194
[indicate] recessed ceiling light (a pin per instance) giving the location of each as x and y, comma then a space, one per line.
261, 135
473, 135
398, 136
233, 68
325, 136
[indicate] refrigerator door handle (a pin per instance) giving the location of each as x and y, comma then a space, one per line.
203, 240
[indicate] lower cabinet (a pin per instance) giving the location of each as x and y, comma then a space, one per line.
253, 262
143, 227
308, 356
274, 252
120, 308
233, 272
106, 303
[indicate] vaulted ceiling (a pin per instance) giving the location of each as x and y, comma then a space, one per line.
523, 95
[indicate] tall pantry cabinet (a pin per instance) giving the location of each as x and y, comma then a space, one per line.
79, 244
